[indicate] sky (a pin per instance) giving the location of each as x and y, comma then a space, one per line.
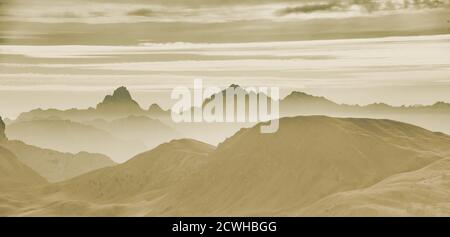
70, 53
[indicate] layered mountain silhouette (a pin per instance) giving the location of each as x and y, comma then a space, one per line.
375, 163
139, 128
14, 174
301, 103
74, 137
120, 106
308, 160
52, 165
118, 128
432, 117
56, 166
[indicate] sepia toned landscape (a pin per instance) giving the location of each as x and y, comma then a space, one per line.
87, 121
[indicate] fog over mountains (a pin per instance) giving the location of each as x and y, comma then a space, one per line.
120, 128
89, 125
255, 174
244, 172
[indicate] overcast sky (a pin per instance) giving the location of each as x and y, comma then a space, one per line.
352, 51
99, 21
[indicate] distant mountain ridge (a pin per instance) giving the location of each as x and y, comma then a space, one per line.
139, 128
119, 104
294, 102
53, 165
433, 117
74, 137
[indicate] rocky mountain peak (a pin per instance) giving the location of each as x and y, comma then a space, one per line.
120, 100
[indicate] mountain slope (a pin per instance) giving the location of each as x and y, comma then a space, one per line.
128, 189
307, 159
56, 166
152, 171
155, 111
69, 136
424, 192
14, 174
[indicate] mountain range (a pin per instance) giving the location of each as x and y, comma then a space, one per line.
117, 105
432, 117
422, 192
311, 161
70, 136
362, 161
119, 128
294, 104
50, 164
14, 174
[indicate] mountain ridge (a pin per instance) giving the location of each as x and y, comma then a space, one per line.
319, 156
54, 165
69, 136
14, 174
422, 192
349, 153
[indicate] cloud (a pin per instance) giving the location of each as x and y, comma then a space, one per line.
140, 12
309, 8
202, 11
368, 6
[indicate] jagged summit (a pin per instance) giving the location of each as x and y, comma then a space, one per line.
119, 101
122, 93
2, 130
